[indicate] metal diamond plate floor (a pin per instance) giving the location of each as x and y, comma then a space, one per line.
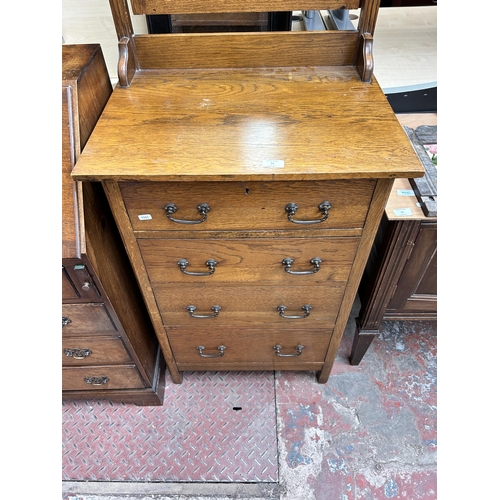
214, 427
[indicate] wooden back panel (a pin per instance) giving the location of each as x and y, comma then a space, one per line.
248, 50
213, 6
236, 50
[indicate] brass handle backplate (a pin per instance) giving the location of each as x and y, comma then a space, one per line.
77, 353
307, 308
291, 210
210, 263
316, 261
192, 309
277, 351
221, 350
203, 209
96, 380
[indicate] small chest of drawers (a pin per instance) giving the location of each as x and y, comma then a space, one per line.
109, 349
248, 200
248, 284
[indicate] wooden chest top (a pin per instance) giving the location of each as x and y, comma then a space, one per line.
282, 123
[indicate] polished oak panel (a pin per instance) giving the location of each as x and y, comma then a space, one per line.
249, 260
247, 346
245, 205
103, 377
249, 305
102, 351
194, 125
87, 318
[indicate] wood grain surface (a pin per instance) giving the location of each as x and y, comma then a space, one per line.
246, 50
247, 205
246, 346
249, 261
200, 6
251, 305
223, 125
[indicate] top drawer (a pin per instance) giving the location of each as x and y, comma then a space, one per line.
247, 205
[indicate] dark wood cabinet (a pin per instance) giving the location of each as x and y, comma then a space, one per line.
109, 349
400, 279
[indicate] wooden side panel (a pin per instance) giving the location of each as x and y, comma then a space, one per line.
70, 240
246, 50
377, 207
201, 6
119, 212
107, 254
94, 89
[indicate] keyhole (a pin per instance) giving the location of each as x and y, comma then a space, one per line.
247, 190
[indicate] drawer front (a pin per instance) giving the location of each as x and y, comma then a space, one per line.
249, 305
246, 261
247, 205
246, 346
78, 283
78, 351
86, 319
69, 291
91, 378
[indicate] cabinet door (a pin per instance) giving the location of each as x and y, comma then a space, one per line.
416, 290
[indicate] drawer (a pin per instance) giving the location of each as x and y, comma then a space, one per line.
87, 318
79, 284
244, 305
69, 291
246, 260
91, 378
79, 351
246, 205
247, 347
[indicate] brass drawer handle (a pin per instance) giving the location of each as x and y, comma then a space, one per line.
307, 308
210, 263
77, 353
203, 209
97, 380
291, 210
192, 309
316, 261
65, 321
221, 350
277, 349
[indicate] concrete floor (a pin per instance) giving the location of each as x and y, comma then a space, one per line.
368, 434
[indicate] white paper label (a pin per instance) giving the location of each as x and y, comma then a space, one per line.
402, 212
273, 163
406, 192
145, 217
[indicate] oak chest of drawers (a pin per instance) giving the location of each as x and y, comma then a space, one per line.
247, 191
109, 349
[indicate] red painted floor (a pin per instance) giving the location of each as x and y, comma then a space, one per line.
370, 433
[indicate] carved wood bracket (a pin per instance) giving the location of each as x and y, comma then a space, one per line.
125, 69
366, 69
